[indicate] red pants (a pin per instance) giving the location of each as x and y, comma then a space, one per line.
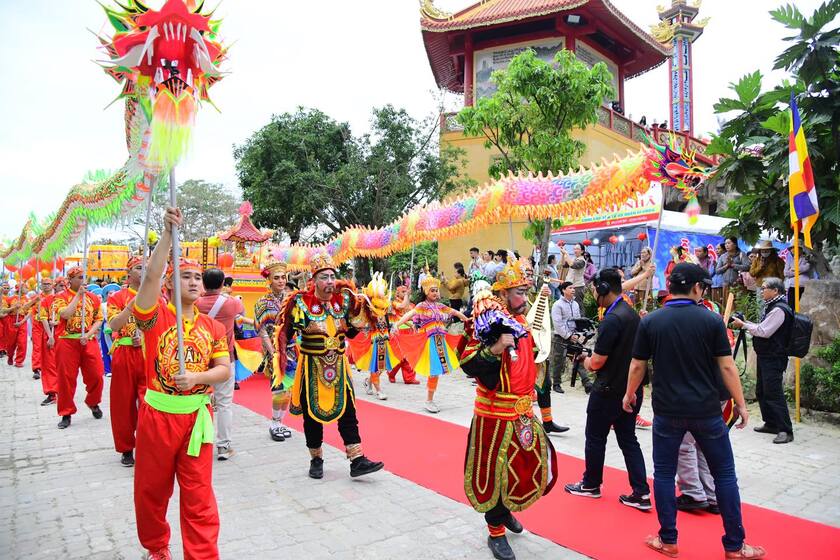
37, 344
49, 374
408, 373
16, 341
128, 385
161, 455
4, 329
72, 355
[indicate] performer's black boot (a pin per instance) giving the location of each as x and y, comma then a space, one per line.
64, 422
316, 468
362, 465
512, 524
550, 427
500, 548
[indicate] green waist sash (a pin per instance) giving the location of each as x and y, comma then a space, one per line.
124, 341
202, 431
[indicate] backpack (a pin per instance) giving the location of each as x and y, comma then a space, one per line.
800, 336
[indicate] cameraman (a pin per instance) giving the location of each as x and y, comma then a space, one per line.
563, 314
611, 361
770, 338
691, 353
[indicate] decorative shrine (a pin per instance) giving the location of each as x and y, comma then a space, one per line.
245, 262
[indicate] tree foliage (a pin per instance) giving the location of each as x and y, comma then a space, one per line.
207, 208
305, 170
754, 142
530, 118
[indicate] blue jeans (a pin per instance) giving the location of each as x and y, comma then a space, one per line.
712, 437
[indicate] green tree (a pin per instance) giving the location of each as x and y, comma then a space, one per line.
306, 170
754, 142
207, 208
530, 118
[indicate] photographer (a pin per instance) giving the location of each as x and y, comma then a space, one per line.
770, 338
563, 314
691, 353
610, 361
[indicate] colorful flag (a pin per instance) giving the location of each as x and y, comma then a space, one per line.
803, 193
249, 356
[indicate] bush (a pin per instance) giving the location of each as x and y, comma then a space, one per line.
819, 387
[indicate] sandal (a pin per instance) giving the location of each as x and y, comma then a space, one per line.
669, 550
747, 551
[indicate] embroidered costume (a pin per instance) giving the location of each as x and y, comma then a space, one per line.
509, 459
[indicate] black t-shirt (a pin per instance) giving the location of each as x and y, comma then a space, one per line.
684, 341
616, 334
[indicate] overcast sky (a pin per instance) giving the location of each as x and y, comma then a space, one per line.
343, 57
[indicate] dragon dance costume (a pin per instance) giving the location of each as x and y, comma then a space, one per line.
49, 375
128, 382
323, 390
266, 314
509, 459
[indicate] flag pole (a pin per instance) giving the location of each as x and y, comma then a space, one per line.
145, 243
84, 273
176, 274
796, 361
649, 281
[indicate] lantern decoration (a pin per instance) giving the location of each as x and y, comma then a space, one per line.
587, 242
642, 236
27, 271
613, 239
225, 260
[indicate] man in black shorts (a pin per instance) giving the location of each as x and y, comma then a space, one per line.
690, 352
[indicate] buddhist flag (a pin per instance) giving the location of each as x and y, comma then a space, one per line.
249, 356
803, 193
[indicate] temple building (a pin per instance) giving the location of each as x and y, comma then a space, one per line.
465, 47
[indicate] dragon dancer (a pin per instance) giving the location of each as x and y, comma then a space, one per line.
376, 355
266, 314
436, 358
509, 460
49, 381
323, 389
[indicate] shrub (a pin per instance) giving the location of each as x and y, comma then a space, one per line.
819, 387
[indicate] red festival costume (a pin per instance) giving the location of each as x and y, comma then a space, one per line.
128, 382
72, 355
162, 438
49, 374
510, 460
16, 334
37, 338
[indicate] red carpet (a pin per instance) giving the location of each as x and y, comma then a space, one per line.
430, 452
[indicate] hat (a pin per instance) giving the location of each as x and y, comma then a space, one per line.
321, 261
185, 264
511, 276
763, 245
429, 282
272, 267
133, 261
75, 271
686, 274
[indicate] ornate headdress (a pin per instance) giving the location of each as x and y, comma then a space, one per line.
185, 264
511, 276
321, 261
378, 294
429, 282
273, 266
133, 261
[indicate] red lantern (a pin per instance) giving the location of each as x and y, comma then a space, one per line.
27, 271
587, 242
11, 268
642, 236
561, 242
225, 260
613, 239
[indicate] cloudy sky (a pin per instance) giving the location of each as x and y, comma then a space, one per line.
343, 57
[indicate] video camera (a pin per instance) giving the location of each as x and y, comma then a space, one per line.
575, 351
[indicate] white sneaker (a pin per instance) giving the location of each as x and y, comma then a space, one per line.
368, 386
381, 396
432, 407
224, 453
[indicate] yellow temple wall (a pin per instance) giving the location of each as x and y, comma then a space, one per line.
601, 142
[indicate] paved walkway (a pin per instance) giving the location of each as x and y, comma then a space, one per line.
63, 494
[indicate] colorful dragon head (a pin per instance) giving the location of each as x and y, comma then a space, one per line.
674, 167
166, 61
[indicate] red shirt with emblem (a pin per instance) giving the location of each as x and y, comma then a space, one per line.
204, 341
73, 326
43, 308
115, 305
